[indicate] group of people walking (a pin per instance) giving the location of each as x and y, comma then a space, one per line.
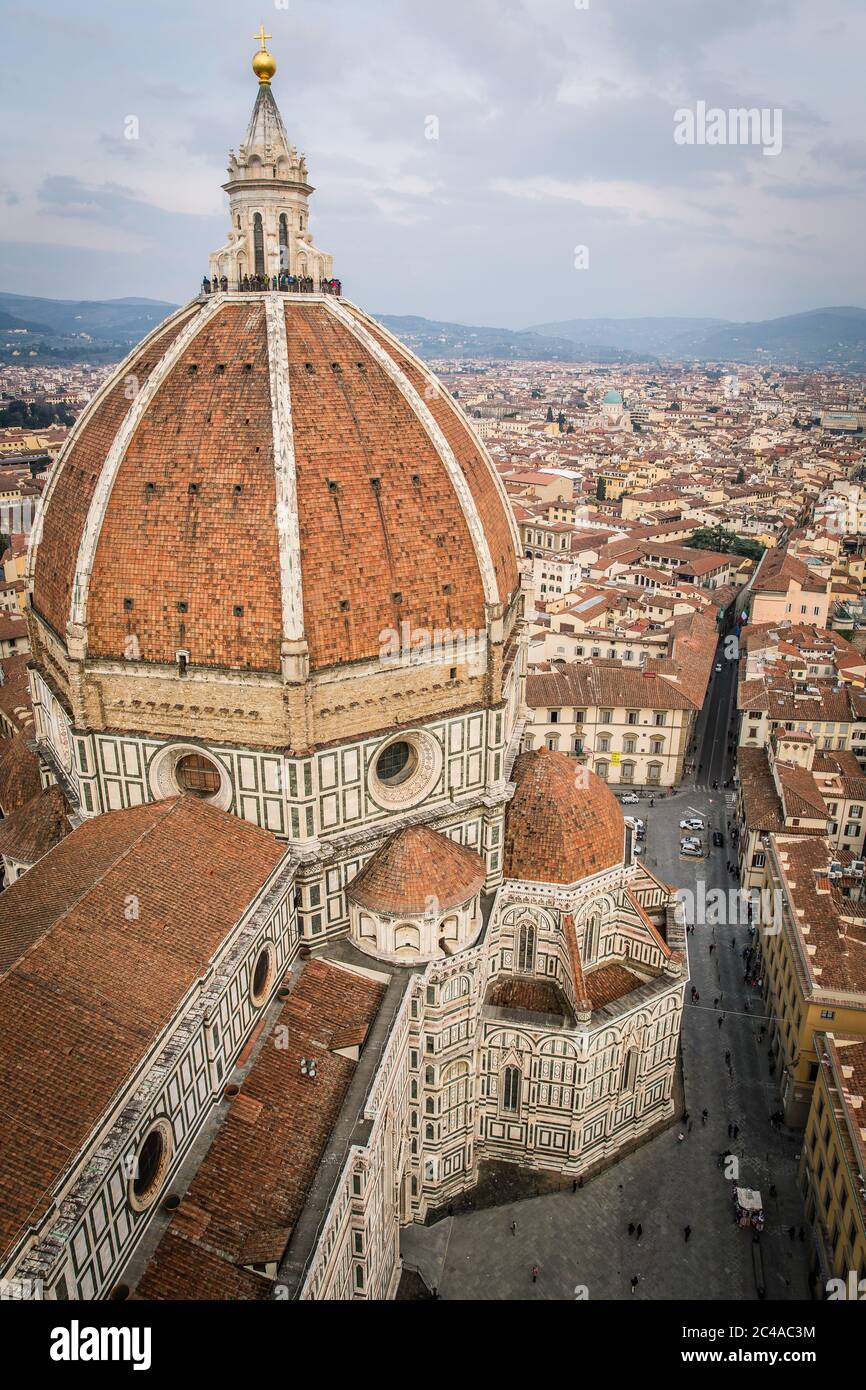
289, 284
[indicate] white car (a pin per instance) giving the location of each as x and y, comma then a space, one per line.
691, 823
634, 821
629, 799
691, 840
694, 850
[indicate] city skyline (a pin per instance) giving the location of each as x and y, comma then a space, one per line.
553, 147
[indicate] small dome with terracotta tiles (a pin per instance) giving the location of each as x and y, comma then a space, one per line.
415, 867
563, 823
270, 473
417, 898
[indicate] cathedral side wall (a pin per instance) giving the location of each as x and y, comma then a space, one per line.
82, 1252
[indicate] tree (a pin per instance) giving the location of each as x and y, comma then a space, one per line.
31, 415
724, 542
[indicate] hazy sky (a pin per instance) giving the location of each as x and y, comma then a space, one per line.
555, 131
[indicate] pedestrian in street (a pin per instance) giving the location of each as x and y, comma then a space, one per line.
802, 1233
685, 1117
639, 1231
514, 1228
687, 1230
631, 1228
705, 1114
712, 947
716, 1002
680, 1137
634, 1281
736, 1131
535, 1273
733, 943
697, 997
721, 1019
730, 1130
793, 1232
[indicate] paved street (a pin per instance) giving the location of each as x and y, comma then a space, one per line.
582, 1238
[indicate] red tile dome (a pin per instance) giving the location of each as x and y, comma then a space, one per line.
263, 469
563, 823
413, 868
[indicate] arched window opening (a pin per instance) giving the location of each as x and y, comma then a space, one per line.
407, 940
591, 937
284, 242
526, 947
511, 1083
259, 243
629, 1070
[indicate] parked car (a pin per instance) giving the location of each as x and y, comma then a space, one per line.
635, 822
718, 839
692, 823
629, 799
692, 848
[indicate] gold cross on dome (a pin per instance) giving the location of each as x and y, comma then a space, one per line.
261, 36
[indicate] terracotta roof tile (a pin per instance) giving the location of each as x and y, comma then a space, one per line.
36, 827
19, 773
607, 983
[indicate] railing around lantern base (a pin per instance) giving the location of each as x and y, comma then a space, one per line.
285, 284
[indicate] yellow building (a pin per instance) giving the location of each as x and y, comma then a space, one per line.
812, 958
833, 1168
612, 483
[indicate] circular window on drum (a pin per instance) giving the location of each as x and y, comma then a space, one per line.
150, 1166
197, 775
186, 770
404, 769
396, 763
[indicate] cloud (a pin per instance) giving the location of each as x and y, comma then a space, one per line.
555, 127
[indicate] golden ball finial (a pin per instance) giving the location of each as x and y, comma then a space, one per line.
264, 64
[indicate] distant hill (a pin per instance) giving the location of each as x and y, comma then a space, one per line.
12, 323
652, 336
819, 337
430, 338
101, 318
835, 337
105, 330
71, 330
